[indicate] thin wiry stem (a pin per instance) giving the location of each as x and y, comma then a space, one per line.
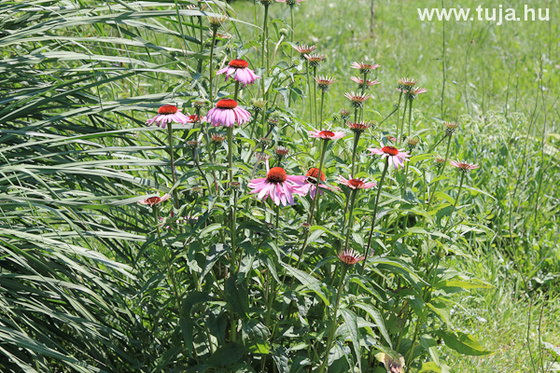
374, 216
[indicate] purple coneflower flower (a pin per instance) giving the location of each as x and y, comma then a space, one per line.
327, 135
278, 186
356, 183
154, 200
465, 167
168, 114
398, 157
350, 256
227, 114
240, 71
364, 67
311, 179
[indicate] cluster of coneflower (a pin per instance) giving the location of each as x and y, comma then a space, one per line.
281, 187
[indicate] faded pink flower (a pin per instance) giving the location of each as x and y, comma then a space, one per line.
398, 157
465, 167
227, 114
278, 185
366, 83
168, 114
357, 99
364, 67
359, 127
327, 135
240, 71
356, 183
350, 256
154, 200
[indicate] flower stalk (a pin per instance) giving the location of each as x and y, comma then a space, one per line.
373, 218
334, 318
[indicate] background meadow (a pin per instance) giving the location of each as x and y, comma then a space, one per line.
92, 280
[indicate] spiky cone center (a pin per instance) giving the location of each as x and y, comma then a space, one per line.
305, 49
407, 82
313, 174
153, 200
350, 257
238, 64
218, 138
327, 135
226, 103
358, 127
167, 109
356, 183
276, 175
391, 150
440, 162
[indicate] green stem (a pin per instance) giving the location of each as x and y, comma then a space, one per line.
315, 94
409, 116
398, 108
400, 133
354, 149
172, 164
446, 156
373, 218
236, 91
292, 32
334, 319
321, 111
211, 62
448, 225
309, 93
170, 270
350, 213
265, 43
230, 153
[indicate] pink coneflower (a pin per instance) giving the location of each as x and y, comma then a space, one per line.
240, 71
450, 128
227, 114
364, 84
314, 59
364, 68
324, 82
304, 49
406, 84
350, 256
154, 200
327, 135
357, 99
359, 127
356, 183
278, 186
345, 114
465, 167
168, 114
311, 179
398, 157
413, 93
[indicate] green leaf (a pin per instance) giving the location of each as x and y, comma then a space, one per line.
463, 343
308, 281
379, 321
430, 367
351, 322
